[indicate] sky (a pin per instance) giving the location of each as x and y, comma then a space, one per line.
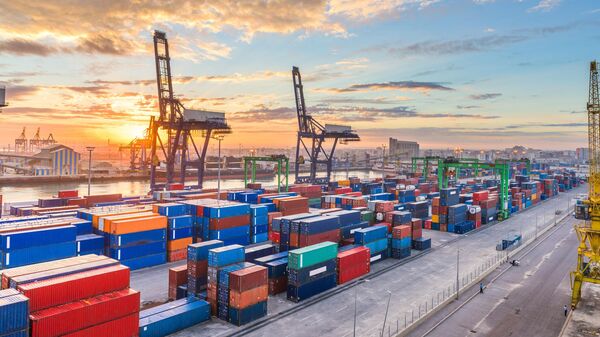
468, 73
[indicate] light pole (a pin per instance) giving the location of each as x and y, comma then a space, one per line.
386, 312
90, 149
383, 170
457, 270
219, 138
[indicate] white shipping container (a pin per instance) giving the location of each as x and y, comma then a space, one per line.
337, 128
190, 115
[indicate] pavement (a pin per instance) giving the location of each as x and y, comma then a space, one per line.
585, 321
526, 300
413, 284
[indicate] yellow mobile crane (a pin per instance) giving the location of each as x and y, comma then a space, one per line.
588, 252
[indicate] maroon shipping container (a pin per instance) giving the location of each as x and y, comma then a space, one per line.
416, 223
70, 288
309, 240
278, 285
400, 232
68, 194
417, 233
248, 278
127, 326
353, 263
74, 316
229, 222
95, 199
198, 269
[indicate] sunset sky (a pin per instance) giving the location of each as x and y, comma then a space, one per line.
471, 73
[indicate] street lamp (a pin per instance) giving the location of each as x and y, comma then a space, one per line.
90, 149
219, 138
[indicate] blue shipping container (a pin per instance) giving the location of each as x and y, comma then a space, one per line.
145, 261
131, 239
222, 256
132, 252
23, 257
170, 321
199, 251
297, 294
37, 237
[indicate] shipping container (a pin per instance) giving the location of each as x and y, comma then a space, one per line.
189, 312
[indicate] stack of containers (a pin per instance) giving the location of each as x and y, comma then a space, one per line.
474, 214
248, 293
291, 205
95, 302
180, 229
14, 314
137, 240
419, 209
375, 238
20, 246
311, 270
218, 259
350, 221
401, 241
228, 222
276, 265
174, 316
259, 223
435, 213
283, 226
397, 218
313, 230
197, 265
178, 279
353, 263
416, 229
457, 215
223, 293
448, 197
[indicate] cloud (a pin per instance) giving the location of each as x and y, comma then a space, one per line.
398, 85
348, 100
545, 5
467, 107
20, 92
367, 10
486, 42
344, 114
123, 24
481, 97
25, 47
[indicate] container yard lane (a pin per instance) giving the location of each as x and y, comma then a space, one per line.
408, 286
526, 300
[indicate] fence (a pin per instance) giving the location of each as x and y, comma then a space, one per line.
440, 298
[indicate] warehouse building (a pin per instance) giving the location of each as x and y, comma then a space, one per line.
404, 149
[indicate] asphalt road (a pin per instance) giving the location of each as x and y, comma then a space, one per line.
526, 300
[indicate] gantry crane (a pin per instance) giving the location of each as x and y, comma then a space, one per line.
588, 252
138, 156
178, 123
36, 141
21, 142
312, 135
3, 102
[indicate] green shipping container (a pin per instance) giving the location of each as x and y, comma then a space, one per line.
311, 255
368, 216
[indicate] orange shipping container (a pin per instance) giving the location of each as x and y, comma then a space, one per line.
179, 244
138, 225
104, 222
249, 297
99, 214
177, 255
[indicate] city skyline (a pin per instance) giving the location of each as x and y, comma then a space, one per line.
476, 74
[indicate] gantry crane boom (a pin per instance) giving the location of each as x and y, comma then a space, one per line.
312, 135
588, 252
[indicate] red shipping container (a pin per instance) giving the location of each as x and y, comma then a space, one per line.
427, 224
177, 276
386, 224
275, 237
435, 201
68, 194
176, 255
402, 231
443, 209
240, 300
94, 199
229, 222
74, 316
127, 326
65, 289
353, 263
384, 206
248, 278
273, 215
175, 186
81, 202
416, 223
417, 233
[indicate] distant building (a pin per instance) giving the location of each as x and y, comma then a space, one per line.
403, 149
56, 160
582, 154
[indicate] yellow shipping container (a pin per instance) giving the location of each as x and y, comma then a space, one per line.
533, 196
344, 183
435, 218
